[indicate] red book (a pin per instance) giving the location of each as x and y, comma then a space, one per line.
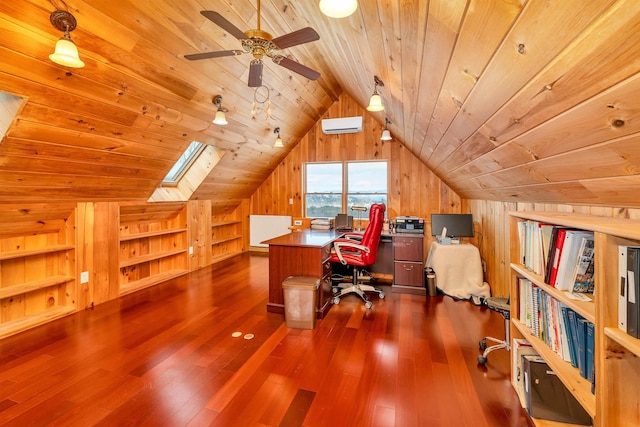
556, 255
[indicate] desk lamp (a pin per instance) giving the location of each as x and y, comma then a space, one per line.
360, 209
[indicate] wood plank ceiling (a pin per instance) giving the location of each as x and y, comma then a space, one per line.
503, 99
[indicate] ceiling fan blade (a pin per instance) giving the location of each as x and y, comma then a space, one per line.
222, 22
255, 73
208, 55
296, 67
295, 38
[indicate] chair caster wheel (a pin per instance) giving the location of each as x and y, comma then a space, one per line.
483, 345
368, 304
482, 360
381, 295
335, 290
336, 300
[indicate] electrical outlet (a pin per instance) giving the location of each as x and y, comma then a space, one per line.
190, 250
297, 222
290, 201
84, 277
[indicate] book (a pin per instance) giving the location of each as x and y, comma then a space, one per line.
573, 323
581, 323
589, 358
547, 398
567, 325
569, 258
551, 253
519, 348
557, 252
545, 243
583, 276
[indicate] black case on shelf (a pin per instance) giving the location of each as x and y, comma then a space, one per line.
546, 396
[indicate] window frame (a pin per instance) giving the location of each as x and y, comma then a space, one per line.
344, 183
183, 163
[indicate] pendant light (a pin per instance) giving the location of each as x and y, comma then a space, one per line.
220, 118
375, 102
66, 52
278, 142
338, 8
386, 135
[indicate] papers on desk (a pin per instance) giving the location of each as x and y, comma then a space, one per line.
322, 224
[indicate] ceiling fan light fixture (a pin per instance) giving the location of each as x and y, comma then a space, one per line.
278, 143
66, 51
386, 134
220, 117
375, 102
338, 8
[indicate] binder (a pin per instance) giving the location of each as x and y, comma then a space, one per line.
547, 398
633, 290
622, 288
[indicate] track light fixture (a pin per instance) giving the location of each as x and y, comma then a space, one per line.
386, 135
66, 52
375, 103
338, 8
220, 118
278, 142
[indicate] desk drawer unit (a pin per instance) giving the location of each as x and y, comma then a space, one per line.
408, 264
408, 273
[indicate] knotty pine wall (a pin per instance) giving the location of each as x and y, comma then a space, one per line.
413, 188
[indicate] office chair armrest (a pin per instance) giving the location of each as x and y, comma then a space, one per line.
350, 245
353, 236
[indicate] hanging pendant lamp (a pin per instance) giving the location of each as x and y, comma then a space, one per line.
66, 52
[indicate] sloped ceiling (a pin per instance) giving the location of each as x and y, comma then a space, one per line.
504, 100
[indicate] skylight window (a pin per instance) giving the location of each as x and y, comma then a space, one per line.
9, 106
183, 164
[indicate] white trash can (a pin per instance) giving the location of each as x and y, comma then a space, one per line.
300, 300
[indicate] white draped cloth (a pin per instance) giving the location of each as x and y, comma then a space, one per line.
458, 271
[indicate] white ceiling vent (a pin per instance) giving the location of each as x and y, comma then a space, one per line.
342, 125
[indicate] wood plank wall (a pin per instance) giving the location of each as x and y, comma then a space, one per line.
413, 188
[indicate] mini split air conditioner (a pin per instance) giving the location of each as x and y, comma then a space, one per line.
342, 125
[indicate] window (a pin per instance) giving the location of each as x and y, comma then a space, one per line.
334, 187
323, 189
366, 183
184, 162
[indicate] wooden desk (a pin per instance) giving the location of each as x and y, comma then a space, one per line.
301, 253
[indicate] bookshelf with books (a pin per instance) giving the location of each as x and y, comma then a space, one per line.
616, 354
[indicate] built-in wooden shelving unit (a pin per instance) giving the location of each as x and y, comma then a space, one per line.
153, 245
617, 354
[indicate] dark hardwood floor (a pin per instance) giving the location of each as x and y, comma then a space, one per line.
166, 356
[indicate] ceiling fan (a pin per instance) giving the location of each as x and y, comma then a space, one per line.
260, 44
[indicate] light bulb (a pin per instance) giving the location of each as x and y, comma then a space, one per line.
66, 53
338, 8
375, 103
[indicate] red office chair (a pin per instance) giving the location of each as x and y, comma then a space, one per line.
359, 254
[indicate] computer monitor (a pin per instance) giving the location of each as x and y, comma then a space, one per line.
343, 222
458, 225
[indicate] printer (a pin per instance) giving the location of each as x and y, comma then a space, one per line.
409, 224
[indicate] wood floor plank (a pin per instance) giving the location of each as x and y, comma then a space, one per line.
165, 356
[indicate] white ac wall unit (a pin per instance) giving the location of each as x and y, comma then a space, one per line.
342, 125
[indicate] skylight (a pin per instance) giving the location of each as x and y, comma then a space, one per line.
9, 106
184, 162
